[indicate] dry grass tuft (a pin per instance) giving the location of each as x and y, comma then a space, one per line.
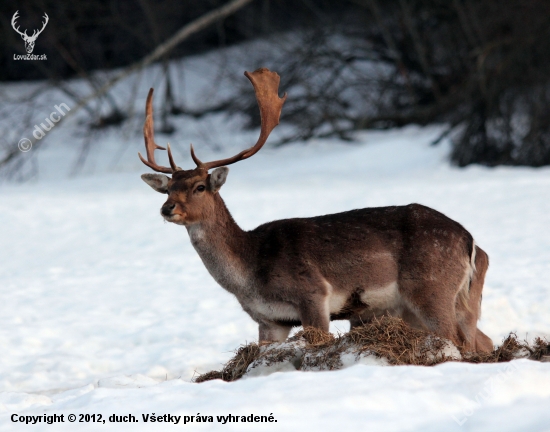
510, 349
541, 350
387, 337
234, 368
391, 338
208, 376
314, 336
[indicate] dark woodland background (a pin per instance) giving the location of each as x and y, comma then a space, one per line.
480, 66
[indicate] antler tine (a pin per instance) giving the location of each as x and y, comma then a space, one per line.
150, 145
266, 87
171, 159
44, 23
13, 23
195, 158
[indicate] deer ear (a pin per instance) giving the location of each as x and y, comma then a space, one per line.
158, 182
217, 178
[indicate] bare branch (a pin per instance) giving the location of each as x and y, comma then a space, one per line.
161, 50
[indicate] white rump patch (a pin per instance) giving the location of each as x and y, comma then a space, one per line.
473, 259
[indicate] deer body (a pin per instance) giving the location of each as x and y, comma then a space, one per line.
354, 265
407, 261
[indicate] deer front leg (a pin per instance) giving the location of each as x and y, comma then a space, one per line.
314, 312
272, 332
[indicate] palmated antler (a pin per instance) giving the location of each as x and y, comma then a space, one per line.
151, 145
266, 87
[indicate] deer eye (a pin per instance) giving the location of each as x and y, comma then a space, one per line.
200, 188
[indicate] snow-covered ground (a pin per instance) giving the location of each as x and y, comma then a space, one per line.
106, 309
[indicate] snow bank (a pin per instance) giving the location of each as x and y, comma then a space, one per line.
97, 289
382, 342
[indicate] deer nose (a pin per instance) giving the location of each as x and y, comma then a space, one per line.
167, 209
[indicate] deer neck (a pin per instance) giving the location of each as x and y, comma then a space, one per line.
223, 247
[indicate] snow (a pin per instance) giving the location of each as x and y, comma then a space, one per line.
265, 365
108, 310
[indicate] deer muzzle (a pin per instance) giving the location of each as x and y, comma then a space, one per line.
167, 208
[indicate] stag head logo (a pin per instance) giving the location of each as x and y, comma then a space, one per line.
29, 40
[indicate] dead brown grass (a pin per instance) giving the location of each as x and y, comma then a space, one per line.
391, 338
315, 336
541, 350
511, 347
234, 368
386, 337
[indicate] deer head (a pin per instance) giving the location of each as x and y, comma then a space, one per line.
29, 40
191, 192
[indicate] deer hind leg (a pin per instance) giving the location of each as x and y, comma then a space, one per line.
469, 313
483, 342
448, 303
431, 304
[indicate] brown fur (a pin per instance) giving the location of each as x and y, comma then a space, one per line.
407, 261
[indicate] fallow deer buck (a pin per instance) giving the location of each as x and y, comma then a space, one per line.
408, 261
